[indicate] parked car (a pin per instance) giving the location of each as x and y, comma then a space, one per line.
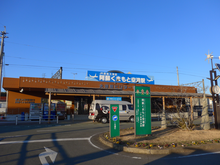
99, 110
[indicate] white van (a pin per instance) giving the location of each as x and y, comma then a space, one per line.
99, 110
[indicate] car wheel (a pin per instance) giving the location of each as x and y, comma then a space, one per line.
131, 119
104, 120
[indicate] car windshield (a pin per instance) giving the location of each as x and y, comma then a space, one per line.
91, 107
131, 106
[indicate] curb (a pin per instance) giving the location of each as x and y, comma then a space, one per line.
203, 147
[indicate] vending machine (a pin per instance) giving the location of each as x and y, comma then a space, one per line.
35, 111
61, 111
52, 111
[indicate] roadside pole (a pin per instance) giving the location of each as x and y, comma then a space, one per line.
114, 120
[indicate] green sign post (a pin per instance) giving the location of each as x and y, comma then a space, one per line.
114, 120
142, 110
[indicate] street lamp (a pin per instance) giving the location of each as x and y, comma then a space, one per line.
215, 94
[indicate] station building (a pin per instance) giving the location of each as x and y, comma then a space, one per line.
78, 94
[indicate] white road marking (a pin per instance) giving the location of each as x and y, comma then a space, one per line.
47, 130
188, 156
42, 156
44, 140
65, 139
99, 147
89, 140
11, 136
136, 157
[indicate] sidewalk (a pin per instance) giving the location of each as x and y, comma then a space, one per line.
76, 118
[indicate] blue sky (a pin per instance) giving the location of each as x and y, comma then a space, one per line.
147, 37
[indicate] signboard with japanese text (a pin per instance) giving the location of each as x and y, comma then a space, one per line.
114, 120
142, 110
119, 77
114, 98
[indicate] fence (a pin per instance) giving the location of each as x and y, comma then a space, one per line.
170, 116
18, 117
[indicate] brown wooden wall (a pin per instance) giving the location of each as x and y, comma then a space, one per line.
20, 102
32, 83
34, 89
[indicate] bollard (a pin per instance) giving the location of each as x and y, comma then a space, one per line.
57, 119
213, 120
68, 117
16, 120
39, 119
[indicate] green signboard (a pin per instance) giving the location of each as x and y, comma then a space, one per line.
142, 110
114, 120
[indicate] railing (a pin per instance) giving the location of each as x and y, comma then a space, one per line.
45, 117
23, 119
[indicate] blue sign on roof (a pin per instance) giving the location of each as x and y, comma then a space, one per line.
114, 98
119, 77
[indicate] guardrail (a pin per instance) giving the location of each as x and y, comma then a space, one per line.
45, 117
40, 119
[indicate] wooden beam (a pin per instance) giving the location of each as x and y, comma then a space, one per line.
132, 99
49, 105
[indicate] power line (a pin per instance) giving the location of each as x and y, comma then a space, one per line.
34, 66
103, 68
100, 69
125, 60
3, 33
90, 65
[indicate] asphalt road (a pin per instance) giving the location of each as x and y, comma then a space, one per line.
77, 143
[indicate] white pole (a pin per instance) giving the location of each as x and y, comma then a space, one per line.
178, 76
39, 119
213, 119
16, 120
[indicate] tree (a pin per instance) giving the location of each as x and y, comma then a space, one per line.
180, 109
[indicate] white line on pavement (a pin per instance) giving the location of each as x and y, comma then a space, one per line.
99, 147
44, 140
188, 156
47, 130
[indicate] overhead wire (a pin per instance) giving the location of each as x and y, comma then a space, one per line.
81, 64
75, 68
99, 68
139, 62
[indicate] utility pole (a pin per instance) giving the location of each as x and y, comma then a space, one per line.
74, 75
178, 76
205, 124
215, 95
3, 33
61, 72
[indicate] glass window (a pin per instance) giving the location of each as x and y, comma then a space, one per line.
124, 107
130, 106
91, 106
97, 106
